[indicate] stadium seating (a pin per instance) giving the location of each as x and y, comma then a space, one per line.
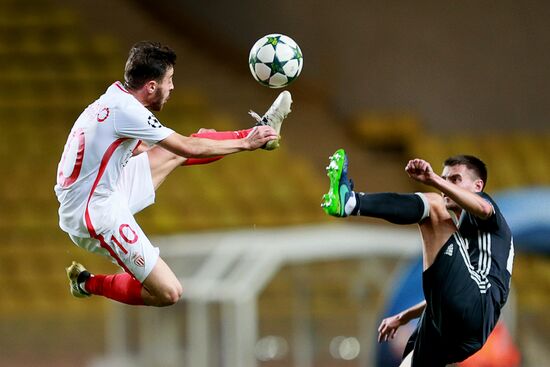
514, 159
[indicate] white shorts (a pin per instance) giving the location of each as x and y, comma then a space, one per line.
117, 234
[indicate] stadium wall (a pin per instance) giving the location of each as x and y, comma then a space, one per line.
459, 65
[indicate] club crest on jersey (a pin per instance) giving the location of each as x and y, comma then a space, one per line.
153, 122
138, 259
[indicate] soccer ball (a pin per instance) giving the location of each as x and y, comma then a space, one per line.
275, 60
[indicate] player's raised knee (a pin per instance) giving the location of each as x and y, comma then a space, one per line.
171, 295
165, 294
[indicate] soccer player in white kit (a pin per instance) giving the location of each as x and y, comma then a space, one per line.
116, 155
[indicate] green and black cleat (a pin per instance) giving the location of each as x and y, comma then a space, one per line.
341, 187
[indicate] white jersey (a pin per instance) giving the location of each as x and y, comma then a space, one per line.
99, 145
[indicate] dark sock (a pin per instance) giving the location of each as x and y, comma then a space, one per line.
395, 208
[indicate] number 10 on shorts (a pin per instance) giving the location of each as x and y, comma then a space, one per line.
127, 234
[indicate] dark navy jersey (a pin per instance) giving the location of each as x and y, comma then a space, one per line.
465, 289
488, 251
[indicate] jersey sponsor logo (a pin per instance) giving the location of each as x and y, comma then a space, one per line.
153, 122
103, 114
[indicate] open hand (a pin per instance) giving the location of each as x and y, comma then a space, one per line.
388, 327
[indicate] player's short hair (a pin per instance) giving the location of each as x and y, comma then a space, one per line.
473, 163
147, 61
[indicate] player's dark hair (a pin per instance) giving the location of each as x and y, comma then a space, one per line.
473, 163
147, 61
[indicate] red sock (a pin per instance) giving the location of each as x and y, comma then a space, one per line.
223, 135
119, 287
215, 135
195, 161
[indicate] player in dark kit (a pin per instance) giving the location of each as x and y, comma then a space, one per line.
467, 248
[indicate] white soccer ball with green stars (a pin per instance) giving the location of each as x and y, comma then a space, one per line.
275, 60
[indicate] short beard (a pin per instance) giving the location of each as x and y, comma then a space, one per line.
157, 103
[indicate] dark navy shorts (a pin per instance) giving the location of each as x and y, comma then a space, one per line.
459, 312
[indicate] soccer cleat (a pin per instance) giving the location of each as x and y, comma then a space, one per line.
77, 273
274, 117
341, 188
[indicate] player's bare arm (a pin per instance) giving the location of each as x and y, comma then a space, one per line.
388, 327
144, 147
422, 171
200, 148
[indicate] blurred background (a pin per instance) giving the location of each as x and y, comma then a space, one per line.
270, 280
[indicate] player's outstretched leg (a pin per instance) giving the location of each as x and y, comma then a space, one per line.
163, 162
340, 199
274, 116
122, 287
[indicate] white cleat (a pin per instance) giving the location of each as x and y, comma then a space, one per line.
274, 116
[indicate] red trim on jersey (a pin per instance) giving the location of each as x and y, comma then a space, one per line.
121, 87
113, 254
67, 181
103, 165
